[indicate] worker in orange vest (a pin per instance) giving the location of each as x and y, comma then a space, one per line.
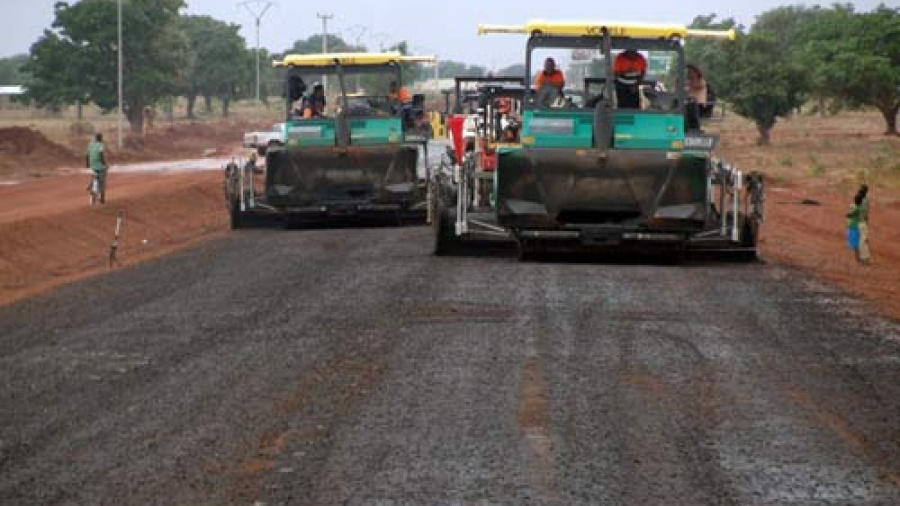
550, 75
398, 94
629, 68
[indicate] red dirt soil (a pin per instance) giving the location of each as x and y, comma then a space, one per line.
20, 146
813, 238
50, 235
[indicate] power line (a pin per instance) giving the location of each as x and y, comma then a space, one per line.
257, 9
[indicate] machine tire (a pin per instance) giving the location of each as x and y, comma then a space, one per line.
445, 240
749, 241
529, 251
239, 219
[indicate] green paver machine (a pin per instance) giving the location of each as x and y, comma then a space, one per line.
598, 168
362, 154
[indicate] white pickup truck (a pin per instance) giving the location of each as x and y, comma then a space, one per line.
263, 139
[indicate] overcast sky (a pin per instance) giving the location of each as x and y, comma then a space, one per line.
443, 27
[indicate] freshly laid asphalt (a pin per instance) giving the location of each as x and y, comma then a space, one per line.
352, 367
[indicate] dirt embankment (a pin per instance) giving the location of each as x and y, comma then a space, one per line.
50, 236
25, 152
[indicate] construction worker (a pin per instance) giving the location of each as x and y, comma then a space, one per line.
629, 68
314, 107
398, 94
550, 75
96, 161
400, 100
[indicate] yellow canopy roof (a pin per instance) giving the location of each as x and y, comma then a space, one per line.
615, 28
328, 59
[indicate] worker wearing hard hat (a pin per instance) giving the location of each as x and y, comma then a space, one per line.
629, 68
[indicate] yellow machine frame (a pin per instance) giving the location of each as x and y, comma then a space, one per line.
615, 29
329, 59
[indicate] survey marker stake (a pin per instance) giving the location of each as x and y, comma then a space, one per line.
120, 217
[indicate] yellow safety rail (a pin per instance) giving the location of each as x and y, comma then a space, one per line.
329, 59
615, 28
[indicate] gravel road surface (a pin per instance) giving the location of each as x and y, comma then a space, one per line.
351, 367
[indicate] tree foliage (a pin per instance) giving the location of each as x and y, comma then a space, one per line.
11, 72
713, 56
764, 84
450, 68
855, 57
795, 54
313, 44
77, 58
219, 62
517, 69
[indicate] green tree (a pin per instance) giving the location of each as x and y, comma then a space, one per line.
313, 44
764, 83
712, 55
78, 57
55, 66
410, 72
755, 74
517, 69
217, 61
11, 72
791, 28
856, 58
450, 68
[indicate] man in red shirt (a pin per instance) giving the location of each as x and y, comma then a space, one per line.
629, 68
550, 75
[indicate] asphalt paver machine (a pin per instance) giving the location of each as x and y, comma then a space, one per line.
361, 155
598, 170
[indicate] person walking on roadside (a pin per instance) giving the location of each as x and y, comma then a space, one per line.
862, 196
853, 226
96, 161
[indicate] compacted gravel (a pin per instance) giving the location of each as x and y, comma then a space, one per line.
351, 367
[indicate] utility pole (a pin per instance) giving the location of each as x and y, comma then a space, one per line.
257, 9
325, 18
119, 71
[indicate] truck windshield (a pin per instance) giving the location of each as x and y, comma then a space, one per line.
575, 78
368, 93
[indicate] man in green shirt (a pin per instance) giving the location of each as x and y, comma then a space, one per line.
96, 161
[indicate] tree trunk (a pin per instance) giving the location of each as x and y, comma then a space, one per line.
225, 103
79, 110
890, 119
764, 130
135, 117
191, 100
207, 100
